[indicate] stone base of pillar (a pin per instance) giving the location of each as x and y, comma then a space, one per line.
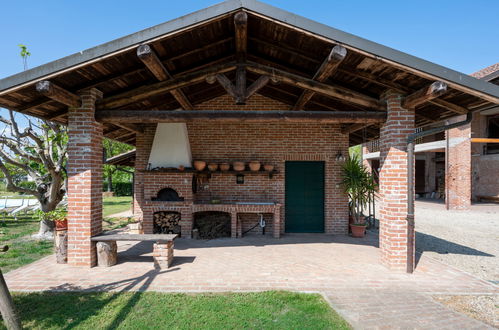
163, 255
61, 246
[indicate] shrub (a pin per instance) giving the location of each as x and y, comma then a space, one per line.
120, 188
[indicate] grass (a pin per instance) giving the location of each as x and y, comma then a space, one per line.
114, 205
150, 310
24, 250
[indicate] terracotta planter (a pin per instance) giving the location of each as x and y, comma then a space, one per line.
213, 166
199, 165
255, 166
238, 166
358, 230
268, 167
61, 224
224, 167
181, 167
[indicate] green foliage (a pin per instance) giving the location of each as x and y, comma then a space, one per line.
27, 184
114, 148
58, 214
24, 55
358, 183
120, 188
146, 310
355, 151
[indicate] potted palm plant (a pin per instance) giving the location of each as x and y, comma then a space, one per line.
358, 183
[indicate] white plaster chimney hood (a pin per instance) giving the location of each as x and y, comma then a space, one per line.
170, 147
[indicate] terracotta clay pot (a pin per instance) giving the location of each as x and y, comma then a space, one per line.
268, 167
213, 166
199, 165
358, 230
255, 165
61, 224
238, 166
224, 167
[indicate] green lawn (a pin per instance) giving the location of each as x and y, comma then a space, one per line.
24, 250
150, 310
114, 205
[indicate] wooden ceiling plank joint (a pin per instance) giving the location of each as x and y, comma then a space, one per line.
57, 93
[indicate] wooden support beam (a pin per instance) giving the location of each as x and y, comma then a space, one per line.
137, 129
484, 140
158, 116
318, 87
149, 57
57, 93
241, 27
353, 128
256, 86
226, 84
147, 91
450, 106
425, 94
330, 64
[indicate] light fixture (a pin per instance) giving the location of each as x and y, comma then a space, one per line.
340, 157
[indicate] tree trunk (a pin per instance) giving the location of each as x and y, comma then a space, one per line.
46, 231
9, 315
109, 181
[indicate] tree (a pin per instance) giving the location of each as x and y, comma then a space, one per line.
38, 151
113, 148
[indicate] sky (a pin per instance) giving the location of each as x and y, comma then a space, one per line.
460, 34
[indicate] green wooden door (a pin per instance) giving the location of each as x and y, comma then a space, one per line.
304, 197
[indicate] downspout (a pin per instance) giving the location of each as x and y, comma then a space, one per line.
410, 178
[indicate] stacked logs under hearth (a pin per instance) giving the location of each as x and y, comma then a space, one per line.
212, 224
166, 223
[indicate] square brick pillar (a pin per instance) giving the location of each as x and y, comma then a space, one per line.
458, 166
85, 180
396, 233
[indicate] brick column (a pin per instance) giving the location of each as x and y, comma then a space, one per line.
85, 180
458, 167
396, 236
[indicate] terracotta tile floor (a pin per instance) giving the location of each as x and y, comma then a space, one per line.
345, 270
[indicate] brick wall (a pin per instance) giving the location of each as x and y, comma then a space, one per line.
458, 175
396, 235
85, 180
272, 143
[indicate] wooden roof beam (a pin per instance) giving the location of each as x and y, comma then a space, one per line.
336, 92
234, 91
425, 94
330, 64
147, 91
353, 128
157, 116
241, 29
137, 129
59, 94
149, 57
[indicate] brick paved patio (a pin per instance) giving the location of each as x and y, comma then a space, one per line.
350, 277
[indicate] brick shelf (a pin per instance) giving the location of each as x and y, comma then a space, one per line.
229, 172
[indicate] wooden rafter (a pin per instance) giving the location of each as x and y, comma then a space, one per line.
131, 127
56, 93
241, 30
336, 92
145, 116
425, 94
330, 64
147, 91
353, 128
149, 57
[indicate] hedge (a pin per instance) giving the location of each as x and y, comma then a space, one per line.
120, 188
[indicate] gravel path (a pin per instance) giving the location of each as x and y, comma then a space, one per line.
468, 240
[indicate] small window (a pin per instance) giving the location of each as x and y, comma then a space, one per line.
492, 133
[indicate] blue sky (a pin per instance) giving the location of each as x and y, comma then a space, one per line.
460, 34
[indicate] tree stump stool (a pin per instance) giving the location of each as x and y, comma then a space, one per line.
107, 253
61, 246
163, 254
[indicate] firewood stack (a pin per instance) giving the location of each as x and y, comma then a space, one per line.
212, 224
166, 223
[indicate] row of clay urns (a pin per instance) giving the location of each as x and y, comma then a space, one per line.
254, 166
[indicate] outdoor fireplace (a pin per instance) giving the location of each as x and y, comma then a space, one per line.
212, 224
166, 222
167, 195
